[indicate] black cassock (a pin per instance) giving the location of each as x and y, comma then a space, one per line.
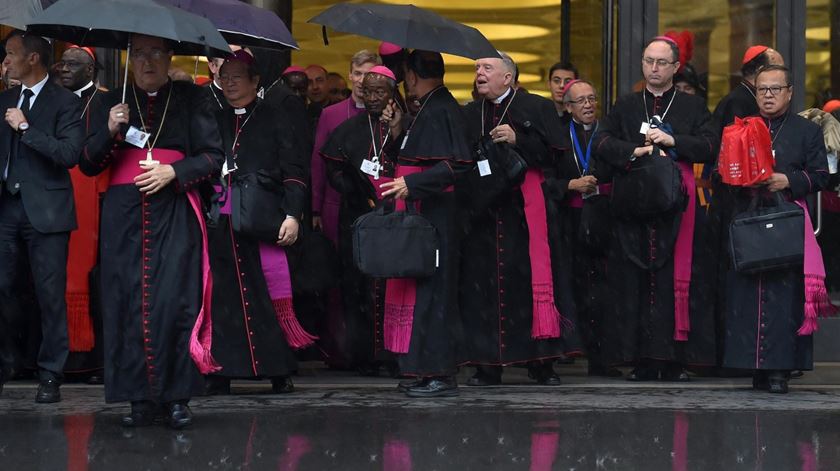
363, 298
496, 296
436, 142
641, 316
764, 311
151, 247
247, 338
584, 266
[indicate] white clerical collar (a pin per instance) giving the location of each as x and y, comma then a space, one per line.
81, 90
502, 98
659, 93
359, 106
151, 93
240, 110
36, 89
586, 127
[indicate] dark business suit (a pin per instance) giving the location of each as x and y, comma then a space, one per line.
37, 211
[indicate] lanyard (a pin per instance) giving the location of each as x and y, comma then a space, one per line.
377, 153
504, 112
581, 157
151, 145
89, 100
239, 131
422, 107
647, 116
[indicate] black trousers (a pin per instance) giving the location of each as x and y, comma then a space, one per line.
47, 256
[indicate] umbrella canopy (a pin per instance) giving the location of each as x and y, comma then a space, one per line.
110, 23
407, 26
242, 24
18, 13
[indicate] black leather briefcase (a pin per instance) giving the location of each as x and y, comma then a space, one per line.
767, 237
651, 188
395, 244
257, 205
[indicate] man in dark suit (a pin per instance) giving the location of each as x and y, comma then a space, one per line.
41, 140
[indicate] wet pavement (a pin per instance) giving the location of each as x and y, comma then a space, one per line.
342, 422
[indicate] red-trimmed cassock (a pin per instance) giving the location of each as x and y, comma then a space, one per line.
155, 272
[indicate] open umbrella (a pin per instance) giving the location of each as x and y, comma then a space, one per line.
110, 23
407, 26
242, 24
17, 13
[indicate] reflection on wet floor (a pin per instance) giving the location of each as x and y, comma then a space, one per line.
396, 439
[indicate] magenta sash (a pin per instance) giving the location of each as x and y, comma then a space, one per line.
546, 317
683, 256
817, 303
125, 167
400, 293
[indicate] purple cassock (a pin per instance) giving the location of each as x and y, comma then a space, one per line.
326, 203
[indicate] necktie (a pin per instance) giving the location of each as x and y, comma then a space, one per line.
11, 178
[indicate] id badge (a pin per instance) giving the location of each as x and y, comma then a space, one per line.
644, 128
590, 195
136, 137
226, 170
484, 167
370, 168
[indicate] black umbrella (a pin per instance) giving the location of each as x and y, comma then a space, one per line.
17, 13
242, 24
407, 26
110, 23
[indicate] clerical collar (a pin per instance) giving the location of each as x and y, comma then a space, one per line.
502, 98
82, 90
586, 127
662, 94
240, 110
247, 108
151, 93
359, 106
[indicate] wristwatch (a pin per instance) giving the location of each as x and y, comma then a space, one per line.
23, 127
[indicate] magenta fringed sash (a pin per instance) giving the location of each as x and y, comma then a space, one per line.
275, 267
817, 303
125, 167
400, 294
546, 320
683, 255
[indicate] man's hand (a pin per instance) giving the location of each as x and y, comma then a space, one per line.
503, 133
14, 116
586, 184
397, 188
288, 232
117, 116
660, 137
393, 116
641, 151
155, 178
777, 182
317, 223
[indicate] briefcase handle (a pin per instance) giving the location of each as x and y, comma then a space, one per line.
757, 197
388, 205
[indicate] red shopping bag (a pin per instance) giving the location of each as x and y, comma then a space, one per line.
746, 155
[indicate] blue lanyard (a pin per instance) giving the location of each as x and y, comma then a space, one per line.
583, 158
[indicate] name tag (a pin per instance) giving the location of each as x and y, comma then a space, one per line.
644, 129
484, 167
370, 168
136, 137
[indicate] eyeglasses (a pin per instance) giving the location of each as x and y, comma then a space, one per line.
659, 62
230, 78
154, 54
584, 99
762, 91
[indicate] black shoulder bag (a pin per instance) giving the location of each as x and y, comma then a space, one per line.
767, 237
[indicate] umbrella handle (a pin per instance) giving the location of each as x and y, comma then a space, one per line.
125, 77
324, 34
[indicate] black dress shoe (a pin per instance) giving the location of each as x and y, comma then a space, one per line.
777, 386
143, 414
48, 392
675, 374
544, 374
796, 374
95, 380
405, 385
216, 386
643, 374
444, 386
180, 415
282, 385
482, 378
